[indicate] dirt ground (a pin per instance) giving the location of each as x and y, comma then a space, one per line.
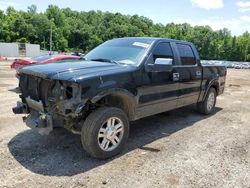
180, 148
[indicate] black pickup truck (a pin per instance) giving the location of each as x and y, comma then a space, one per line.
121, 80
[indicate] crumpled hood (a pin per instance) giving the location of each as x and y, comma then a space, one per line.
72, 71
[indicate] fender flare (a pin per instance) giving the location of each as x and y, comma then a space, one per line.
213, 82
129, 99
114, 91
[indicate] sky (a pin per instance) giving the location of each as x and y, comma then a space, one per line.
218, 14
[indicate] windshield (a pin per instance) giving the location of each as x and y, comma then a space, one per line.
41, 58
124, 51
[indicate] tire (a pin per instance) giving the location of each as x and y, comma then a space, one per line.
207, 106
101, 131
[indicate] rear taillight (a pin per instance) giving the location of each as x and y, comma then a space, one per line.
16, 66
12, 66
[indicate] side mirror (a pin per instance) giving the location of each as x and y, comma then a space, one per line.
160, 65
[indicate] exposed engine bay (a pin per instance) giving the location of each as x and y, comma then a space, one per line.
50, 103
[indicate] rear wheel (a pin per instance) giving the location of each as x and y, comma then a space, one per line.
105, 132
207, 106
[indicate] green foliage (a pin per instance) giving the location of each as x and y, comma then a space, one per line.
82, 31
248, 57
22, 40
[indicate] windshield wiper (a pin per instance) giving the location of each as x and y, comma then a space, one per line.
105, 60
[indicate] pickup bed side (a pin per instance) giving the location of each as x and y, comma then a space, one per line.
213, 76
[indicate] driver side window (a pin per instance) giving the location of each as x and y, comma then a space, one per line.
162, 50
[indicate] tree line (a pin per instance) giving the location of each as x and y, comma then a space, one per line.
82, 31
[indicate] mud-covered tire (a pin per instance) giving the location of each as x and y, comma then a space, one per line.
93, 136
207, 106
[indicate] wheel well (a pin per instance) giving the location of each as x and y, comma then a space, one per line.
216, 87
120, 100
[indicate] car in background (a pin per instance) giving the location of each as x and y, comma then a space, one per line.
237, 66
19, 63
230, 65
245, 66
77, 54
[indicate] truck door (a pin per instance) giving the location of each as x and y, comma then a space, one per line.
159, 91
190, 75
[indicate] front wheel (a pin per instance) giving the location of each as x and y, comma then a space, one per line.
207, 106
105, 132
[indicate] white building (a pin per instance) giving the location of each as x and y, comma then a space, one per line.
16, 50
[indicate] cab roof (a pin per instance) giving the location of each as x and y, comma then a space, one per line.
152, 39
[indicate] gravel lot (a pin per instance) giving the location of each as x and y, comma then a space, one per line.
180, 148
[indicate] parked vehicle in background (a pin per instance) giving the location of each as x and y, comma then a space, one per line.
230, 65
237, 66
233, 65
121, 80
227, 64
19, 63
245, 66
77, 54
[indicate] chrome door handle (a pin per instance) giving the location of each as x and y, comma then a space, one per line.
198, 73
176, 76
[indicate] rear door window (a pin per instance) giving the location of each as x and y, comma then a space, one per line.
186, 54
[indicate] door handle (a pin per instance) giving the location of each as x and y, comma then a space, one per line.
176, 76
198, 73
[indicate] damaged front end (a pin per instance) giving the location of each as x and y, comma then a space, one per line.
50, 103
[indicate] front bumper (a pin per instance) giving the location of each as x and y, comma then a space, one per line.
41, 122
37, 118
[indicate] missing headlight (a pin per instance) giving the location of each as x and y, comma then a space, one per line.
69, 92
